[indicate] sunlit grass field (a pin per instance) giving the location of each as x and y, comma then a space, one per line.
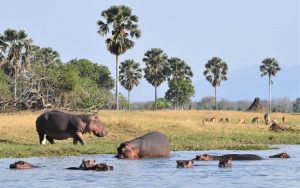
185, 129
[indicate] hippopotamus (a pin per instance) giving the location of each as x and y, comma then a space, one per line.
91, 165
225, 162
184, 163
206, 157
61, 125
154, 144
280, 155
21, 165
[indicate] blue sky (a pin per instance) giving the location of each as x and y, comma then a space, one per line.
242, 33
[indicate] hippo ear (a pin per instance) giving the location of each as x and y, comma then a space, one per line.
127, 145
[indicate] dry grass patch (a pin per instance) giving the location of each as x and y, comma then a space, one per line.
185, 129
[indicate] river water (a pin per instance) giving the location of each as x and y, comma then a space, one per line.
158, 172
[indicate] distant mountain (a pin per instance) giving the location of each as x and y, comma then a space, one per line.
244, 84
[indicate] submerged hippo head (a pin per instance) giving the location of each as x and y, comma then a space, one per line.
280, 155
225, 162
127, 151
94, 125
21, 165
87, 163
184, 163
204, 157
103, 167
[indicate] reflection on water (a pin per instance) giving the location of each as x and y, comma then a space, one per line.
159, 172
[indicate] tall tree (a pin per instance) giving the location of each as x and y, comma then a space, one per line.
130, 75
215, 72
156, 70
98, 73
269, 67
180, 91
123, 26
178, 68
15, 46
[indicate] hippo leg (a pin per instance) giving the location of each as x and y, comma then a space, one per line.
75, 141
50, 139
78, 136
41, 136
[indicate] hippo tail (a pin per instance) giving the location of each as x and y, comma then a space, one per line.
40, 122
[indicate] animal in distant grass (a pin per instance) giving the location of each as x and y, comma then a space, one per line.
21, 165
154, 144
242, 121
280, 128
256, 120
213, 120
225, 162
61, 125
224, 120
267, 119
184, 163
283, 119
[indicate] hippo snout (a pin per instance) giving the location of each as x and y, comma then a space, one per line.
101, 133
12, 166
104, 131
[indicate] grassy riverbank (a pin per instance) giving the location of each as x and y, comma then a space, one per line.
185, 130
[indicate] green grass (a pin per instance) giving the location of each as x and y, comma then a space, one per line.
185, 130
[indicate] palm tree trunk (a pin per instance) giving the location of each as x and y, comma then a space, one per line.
270, 93
15, 88
216, 106
117, 82
155, 97
128, 99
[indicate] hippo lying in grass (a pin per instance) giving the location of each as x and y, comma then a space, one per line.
21, 165
91, 165
60, 125
184, 163
206, 157
154, 144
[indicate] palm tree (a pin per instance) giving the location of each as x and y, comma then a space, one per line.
216, 71
15, 47
156, 70
122, 24
270, 67
130, 75
178, 68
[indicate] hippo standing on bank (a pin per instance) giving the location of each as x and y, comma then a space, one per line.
154, 144
59, 125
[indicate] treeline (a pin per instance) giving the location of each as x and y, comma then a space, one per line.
208, 103
35, 77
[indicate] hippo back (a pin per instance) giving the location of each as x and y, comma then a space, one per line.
154, 144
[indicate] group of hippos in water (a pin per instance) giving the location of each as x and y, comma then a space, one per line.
58, 125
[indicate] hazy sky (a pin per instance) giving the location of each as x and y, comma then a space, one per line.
242, 33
